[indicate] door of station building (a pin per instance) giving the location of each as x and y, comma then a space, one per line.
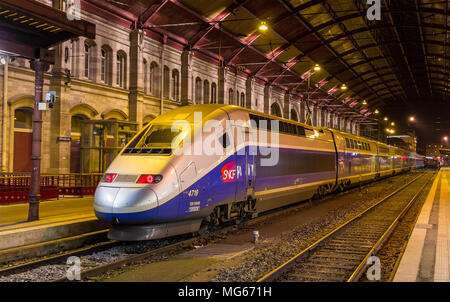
22, 152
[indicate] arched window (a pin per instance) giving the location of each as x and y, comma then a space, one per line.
105, 64
242, 99
86, 60
121, 69
175, 85
275, 109
213, 93
294, 115
166, 82
206, 92
154, 72
75, 150
75, 124
237, 97
230, 97
23, 118
198, 91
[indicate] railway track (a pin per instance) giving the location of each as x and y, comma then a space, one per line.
342, 254
49, 260
175, 244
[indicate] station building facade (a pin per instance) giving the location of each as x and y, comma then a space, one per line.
108, 88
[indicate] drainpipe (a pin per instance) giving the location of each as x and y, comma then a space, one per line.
163, 48
3, 124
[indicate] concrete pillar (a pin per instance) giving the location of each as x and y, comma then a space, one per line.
286, 105
323, 117
222, 88
249, 92
302, 112
186, 80
356, 128
317, 116
267, 98
57, 121
330, 119
136, 94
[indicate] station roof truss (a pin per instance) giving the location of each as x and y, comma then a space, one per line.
387, 62
29, 28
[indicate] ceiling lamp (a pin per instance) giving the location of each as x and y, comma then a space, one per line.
385, 118
364, 102
263, 26
343, 87
317, 67
2, 60
376, 111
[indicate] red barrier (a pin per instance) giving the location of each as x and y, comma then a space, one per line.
15, 188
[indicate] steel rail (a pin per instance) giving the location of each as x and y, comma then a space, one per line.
280, 270
49, 260
15, 269
95, 271
103, 268
361, 267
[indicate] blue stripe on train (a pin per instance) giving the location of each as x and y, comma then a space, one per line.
212, 190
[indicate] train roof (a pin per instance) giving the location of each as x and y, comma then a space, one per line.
187, 113
210, 110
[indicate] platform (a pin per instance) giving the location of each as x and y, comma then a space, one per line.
427, 255
58, 219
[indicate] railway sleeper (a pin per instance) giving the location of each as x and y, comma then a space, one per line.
305, 273
316, 279
330, 265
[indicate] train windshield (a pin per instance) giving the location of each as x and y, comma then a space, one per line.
156, 136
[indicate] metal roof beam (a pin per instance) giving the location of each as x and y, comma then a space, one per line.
193, 42
314, 31
151, 11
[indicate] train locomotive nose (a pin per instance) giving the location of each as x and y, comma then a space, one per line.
126, 205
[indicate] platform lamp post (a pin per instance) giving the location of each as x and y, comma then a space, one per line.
308, 114
39, 68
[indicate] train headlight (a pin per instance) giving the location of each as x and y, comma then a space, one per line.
109, 177
149, 179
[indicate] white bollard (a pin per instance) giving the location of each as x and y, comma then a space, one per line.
255, 236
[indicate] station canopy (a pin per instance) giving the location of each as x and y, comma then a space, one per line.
390, 63
29, 28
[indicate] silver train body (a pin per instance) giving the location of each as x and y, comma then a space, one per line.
154, 190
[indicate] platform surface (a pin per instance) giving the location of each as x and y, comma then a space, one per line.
15, 216
427, 255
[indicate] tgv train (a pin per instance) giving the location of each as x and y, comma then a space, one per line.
157, 187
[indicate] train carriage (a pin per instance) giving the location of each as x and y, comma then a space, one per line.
198, 166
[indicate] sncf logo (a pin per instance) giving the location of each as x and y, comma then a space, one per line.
229, 172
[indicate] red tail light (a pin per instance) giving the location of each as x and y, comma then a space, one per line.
110, 177
149, 179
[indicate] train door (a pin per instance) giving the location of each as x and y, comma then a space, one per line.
245, 168
250, 172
